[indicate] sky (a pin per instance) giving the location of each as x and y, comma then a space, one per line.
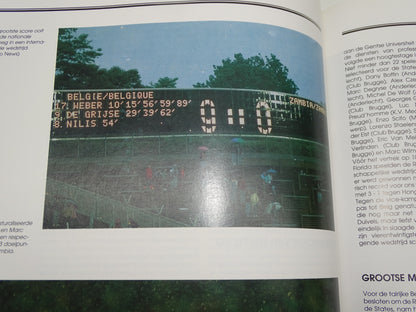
189, 50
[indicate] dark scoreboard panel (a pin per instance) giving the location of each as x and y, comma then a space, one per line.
110, 113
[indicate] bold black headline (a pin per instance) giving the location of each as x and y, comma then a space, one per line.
389, 277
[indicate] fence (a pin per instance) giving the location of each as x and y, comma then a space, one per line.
103, 209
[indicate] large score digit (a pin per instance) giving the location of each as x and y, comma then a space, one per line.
209, 121
264, 129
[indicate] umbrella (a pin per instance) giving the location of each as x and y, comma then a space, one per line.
271, 171
237, 140
203, 148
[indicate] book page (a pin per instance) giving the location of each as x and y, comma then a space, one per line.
370, 66
147, 142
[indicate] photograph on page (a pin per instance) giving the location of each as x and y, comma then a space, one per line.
188, 124
315, 295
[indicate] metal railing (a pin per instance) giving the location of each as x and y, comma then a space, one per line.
105, 209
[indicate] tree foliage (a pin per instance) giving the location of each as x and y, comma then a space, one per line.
74, 49
76, 68
254, 72
165, 82
75, 59
117, 78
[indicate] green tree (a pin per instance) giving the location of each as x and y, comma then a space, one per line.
116, 78
165, 82
75, 59
254, 72
76, 68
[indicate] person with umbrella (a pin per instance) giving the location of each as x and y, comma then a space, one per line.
267, 178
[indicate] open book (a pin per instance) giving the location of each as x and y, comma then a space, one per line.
208, 156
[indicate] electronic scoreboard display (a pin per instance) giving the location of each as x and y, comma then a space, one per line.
187, 157
87, 113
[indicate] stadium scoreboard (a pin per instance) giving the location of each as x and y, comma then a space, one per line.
86, 113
